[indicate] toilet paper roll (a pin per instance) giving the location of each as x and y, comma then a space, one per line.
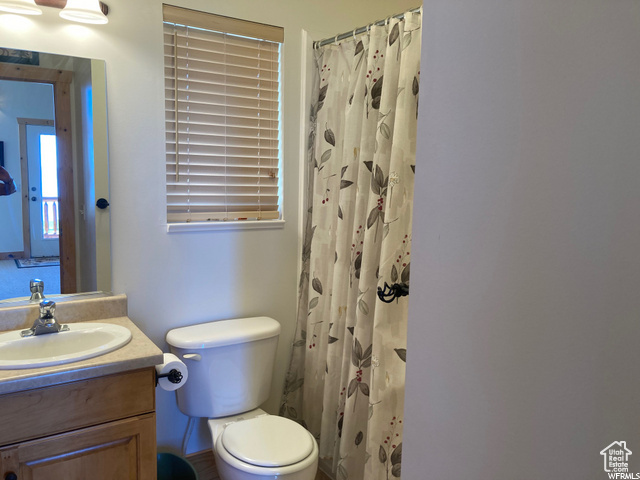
171, 362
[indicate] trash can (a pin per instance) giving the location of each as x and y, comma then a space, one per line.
173, 467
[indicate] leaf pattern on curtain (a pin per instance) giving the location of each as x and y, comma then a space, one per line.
346, 378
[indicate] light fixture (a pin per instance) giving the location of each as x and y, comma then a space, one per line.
22, 7
84, 11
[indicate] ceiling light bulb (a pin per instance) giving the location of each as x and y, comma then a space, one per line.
84, 11
22, 7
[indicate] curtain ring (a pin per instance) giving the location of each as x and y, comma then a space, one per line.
354, 35
335, 40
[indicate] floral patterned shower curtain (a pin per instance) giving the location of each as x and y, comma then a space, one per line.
346, 379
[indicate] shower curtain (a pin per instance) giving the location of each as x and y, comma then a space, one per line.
346, 378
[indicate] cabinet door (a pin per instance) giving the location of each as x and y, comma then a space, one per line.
123, 450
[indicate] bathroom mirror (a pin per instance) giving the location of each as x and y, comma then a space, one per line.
53, 134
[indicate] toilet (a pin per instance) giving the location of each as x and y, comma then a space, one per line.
230, 364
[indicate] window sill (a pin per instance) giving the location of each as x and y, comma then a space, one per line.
233, 225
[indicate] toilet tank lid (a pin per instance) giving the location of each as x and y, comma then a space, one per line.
223, 332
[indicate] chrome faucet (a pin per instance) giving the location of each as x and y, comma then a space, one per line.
46, 323
37, 288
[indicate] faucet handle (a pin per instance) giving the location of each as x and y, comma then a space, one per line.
37, 289
47, 309
36, 285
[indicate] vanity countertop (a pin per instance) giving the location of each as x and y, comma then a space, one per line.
140, 352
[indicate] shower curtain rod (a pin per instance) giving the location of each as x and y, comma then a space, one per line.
358, 31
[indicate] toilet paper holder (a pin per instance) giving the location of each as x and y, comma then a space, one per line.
174, 376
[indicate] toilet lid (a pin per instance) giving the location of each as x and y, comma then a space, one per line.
267, 441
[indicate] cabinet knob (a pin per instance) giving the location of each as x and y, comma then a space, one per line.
10, 476
102, 203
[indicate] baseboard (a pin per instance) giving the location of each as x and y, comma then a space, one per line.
12, 255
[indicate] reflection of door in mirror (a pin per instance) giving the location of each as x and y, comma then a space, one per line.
42, 167
78, 107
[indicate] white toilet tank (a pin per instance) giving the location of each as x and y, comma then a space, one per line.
230, 365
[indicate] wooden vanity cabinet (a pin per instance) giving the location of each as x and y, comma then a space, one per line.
102, 428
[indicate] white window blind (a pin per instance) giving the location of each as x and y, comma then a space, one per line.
222, 117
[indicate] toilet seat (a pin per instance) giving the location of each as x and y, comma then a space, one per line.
224, 458
267, 441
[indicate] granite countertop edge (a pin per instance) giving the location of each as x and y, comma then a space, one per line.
139, 353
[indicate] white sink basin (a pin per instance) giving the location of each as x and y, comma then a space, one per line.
81, 341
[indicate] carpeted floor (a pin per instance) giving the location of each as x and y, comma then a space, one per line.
14, 281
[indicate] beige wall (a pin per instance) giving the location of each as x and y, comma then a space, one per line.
180, 279
524, 309
102, 218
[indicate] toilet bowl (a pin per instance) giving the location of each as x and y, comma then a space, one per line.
263, 447
230, 366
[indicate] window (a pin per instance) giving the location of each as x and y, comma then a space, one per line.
222, 99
